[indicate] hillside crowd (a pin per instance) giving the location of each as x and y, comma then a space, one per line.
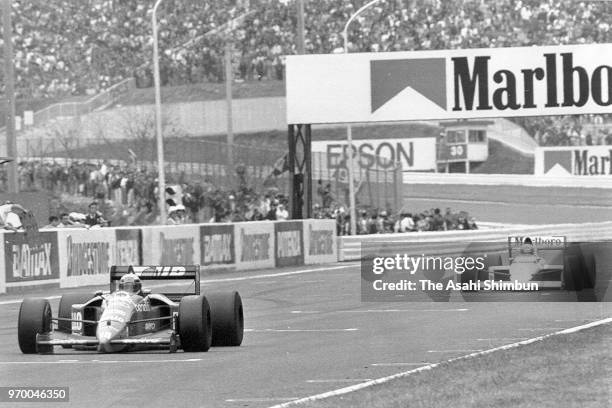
104, 41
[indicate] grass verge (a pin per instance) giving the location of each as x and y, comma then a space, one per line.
572, 370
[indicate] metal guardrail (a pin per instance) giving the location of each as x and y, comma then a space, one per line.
449, 242
509, 180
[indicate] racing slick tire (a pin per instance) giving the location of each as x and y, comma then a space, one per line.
591, 271
65, 311
227, 318
195, 328
34, 318
573, 270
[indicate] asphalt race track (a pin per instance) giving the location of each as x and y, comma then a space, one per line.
514, 204
306, 332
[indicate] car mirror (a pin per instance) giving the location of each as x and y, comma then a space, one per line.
98, 293
146, 291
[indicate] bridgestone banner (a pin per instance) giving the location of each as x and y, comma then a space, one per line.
320, 244
85, 256
255, 245
449, 84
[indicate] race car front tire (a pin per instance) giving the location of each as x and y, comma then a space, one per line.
34, 318
195, 328
227, 318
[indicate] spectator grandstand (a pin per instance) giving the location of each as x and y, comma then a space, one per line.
65, 47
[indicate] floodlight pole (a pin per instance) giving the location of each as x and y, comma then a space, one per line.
349, 130
161, 177
229, 116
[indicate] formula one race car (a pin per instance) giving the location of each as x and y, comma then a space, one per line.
129, 318
550, 266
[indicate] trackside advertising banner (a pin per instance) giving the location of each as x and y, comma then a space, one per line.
171, 245
217, 245
30, 259
254, 244
85, 256
320, 244
574, 161
288, 243
128, 246
449, 84
417, 153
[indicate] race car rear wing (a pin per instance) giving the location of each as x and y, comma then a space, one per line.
175, 272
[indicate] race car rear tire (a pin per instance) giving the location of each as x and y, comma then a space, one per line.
195, 328
227, 318
591, 271
34, 318
573, 272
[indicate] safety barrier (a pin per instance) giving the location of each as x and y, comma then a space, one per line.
528, 180
73, 257
455, 241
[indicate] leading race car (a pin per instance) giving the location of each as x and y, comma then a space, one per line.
129, 317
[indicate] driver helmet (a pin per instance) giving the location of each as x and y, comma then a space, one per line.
130, 283
528, 247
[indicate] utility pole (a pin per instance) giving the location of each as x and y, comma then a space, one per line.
9, 77
228, 102
161, 177
300, 27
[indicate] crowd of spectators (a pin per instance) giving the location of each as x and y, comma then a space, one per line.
576, 130
76, 47
123, 194
385, 221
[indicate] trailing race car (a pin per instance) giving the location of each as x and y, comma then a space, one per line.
560, 266
129, 318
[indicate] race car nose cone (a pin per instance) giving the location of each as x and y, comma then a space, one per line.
105, 335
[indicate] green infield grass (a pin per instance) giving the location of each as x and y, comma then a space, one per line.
569, 370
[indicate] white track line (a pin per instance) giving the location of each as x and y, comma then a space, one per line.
399, 364
336, 380
454, 351
300, 330
274, 275
382, 380
400, 310
13, 302
259, 399
189, 360
221, 280
504, 203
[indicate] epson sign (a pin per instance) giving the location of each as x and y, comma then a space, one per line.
477, 87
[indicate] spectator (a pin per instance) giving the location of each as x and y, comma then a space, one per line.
281, 213
94, 217
54, 222
406, 224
